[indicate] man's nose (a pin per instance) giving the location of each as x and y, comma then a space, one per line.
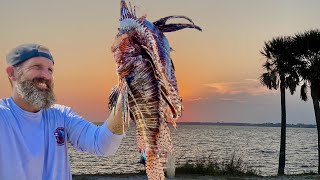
47, 74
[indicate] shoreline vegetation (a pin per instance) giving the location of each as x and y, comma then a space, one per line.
205, 168
232, 166
192, 177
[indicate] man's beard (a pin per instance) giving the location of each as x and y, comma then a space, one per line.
39, 98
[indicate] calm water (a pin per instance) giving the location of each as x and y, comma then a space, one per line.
257, 146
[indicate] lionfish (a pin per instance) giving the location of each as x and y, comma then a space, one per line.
147, 83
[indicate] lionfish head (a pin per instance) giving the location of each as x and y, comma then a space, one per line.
151, 31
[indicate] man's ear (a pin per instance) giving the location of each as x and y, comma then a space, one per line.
11, 73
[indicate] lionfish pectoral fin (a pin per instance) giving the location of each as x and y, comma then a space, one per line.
129, 92
113, 98
173, 110
149, 52
153, 61
162, 26
125, 108
156, 69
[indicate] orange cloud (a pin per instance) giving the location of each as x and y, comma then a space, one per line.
247, 86
197, 99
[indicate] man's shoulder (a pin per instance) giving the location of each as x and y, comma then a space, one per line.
5, 112
4, 105
60, 111
59, 108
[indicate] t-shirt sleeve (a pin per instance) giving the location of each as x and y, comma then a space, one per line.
85, 136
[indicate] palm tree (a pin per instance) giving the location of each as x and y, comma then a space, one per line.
280, 71
307, 47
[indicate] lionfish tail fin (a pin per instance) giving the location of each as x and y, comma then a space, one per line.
154, 167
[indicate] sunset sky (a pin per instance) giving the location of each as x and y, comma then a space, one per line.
217, 69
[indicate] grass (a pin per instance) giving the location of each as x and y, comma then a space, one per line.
233, 166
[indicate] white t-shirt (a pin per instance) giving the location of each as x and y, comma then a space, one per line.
34, 146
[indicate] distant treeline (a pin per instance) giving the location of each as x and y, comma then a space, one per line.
299, 125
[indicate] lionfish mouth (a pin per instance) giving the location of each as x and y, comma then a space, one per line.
125, 12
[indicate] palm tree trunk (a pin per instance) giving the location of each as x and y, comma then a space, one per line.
315, 99
282, 156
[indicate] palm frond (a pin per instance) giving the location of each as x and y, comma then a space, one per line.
291, 83
275, 80
280, 62
270, 80
303, 92
307, 46
265, 80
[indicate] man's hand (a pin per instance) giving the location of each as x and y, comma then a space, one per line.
115, 121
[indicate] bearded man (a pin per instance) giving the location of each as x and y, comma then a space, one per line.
35, 132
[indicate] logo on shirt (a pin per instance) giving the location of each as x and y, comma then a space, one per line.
59, 134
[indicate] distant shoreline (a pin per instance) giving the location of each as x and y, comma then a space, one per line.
299, 125
248, 124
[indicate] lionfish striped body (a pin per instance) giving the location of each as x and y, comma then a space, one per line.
147, 84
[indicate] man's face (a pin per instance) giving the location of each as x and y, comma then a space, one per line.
35, 82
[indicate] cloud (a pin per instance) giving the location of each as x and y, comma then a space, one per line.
215, 106
232, 100
253, 80
244, 101
247, 86
197, 99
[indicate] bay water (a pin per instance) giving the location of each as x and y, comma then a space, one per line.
258, 147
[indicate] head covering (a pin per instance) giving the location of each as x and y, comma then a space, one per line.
26, 51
